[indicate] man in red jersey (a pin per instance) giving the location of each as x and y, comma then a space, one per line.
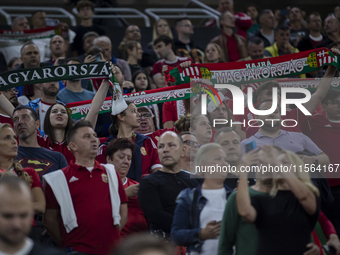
91, 220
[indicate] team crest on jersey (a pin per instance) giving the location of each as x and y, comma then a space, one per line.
143, 151
157, 138
104, 178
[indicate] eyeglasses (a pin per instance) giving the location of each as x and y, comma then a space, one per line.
146, 115
192, 143
135, 30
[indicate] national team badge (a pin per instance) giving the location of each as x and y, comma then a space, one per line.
157, 138
143, 151
104, 178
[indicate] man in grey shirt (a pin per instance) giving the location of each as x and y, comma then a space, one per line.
73, 92
271, 134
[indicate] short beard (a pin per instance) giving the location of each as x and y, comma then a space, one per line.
15, 104
49, 93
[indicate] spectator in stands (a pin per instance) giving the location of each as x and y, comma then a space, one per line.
337, 11
87, 43
11, 95
132, 33
30, 154
73, 92
105, 43
253, 12
314, 37
142, 244
295, 202
332, 27
199, 211
9, 151
119, 153
161, 27
89, 233
230, 141
12, 48
201, 127
223, 112
184, 46
266, 32
191, 146
48, 97
57, 48
229, 41
128, 87
30, 57
282, 45
163, 46
213, 54
20, 23
16, 210
271, 133
57, 123
239, 234
149, 57
145, 154
297, 29
255, 49
158, 191
140, 81
132, 54
38, 19
242, 21
85, 10
13, 63
147, 125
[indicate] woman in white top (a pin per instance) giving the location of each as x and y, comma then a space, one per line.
199, 211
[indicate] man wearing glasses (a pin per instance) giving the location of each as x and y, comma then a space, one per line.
147, 126
11, 95
191, 146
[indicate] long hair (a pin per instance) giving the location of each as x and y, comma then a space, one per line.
49, 130
230, 114
155, 35
125, 46
221, 57
303, 176
134, 77
113, 129
183, 123
18, 168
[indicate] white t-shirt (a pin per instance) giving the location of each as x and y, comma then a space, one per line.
270, 38
213, 210
43, 107
26, 249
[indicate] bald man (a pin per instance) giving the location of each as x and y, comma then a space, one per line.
16, 214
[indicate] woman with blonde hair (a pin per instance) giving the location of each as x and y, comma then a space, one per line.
8, 152
286, 220
161, 27
213, 54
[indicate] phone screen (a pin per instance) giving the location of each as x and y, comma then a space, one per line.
250, 146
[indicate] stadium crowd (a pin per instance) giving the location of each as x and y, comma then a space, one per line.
127, 183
